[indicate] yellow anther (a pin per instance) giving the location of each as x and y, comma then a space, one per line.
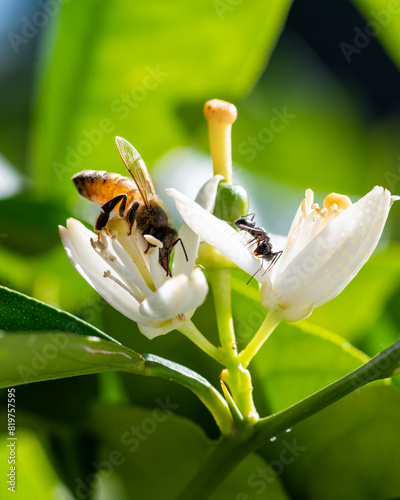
340, 200
323, 212
315, 207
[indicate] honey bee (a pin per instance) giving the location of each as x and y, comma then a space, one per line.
136, 198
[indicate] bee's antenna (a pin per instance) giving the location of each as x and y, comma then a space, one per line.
183, 247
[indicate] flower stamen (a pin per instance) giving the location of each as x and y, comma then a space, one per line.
134, 245
135, 283
107, 274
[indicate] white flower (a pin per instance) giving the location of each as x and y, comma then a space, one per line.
324, 250
133, 282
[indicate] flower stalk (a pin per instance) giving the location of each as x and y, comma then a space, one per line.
192, 333
235, 376
220, 279
269, 324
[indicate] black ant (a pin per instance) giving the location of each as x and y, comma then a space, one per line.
248, 225
262, 238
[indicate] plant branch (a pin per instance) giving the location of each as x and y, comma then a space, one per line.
155, 366
227, 454
382, 366
231, 450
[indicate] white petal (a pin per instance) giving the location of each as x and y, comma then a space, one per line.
275, 303
161, 329
358, 240
393, 199
207, 194
76, 240
122, 274
332, 259
178, 295
278, 241
216, 233
206, 199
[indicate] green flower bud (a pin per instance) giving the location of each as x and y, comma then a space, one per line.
232, 202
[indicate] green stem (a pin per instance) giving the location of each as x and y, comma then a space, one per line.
231, 450
237, 378
155, 366
192, 333
227, 454
269, 324
382, 366
220, 279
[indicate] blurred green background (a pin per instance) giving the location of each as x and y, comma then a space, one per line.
316, 86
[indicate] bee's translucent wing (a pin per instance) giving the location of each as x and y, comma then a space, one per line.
137, 168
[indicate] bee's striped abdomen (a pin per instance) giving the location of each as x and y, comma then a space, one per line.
100, 186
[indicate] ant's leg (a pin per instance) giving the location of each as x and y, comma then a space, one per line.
254, 240
131, 216
107, 208
274, 260
258, 270
253, 214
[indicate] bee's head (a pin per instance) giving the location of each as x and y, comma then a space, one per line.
169, 237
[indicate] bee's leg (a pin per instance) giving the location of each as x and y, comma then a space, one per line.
183, 247
107, 208
166, 267
131, 215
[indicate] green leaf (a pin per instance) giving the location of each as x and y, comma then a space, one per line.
362, 448
383, 22
19, 312
226, 48
140, 445
48, 356
312, 113
35, 475
351, 445
30, 227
